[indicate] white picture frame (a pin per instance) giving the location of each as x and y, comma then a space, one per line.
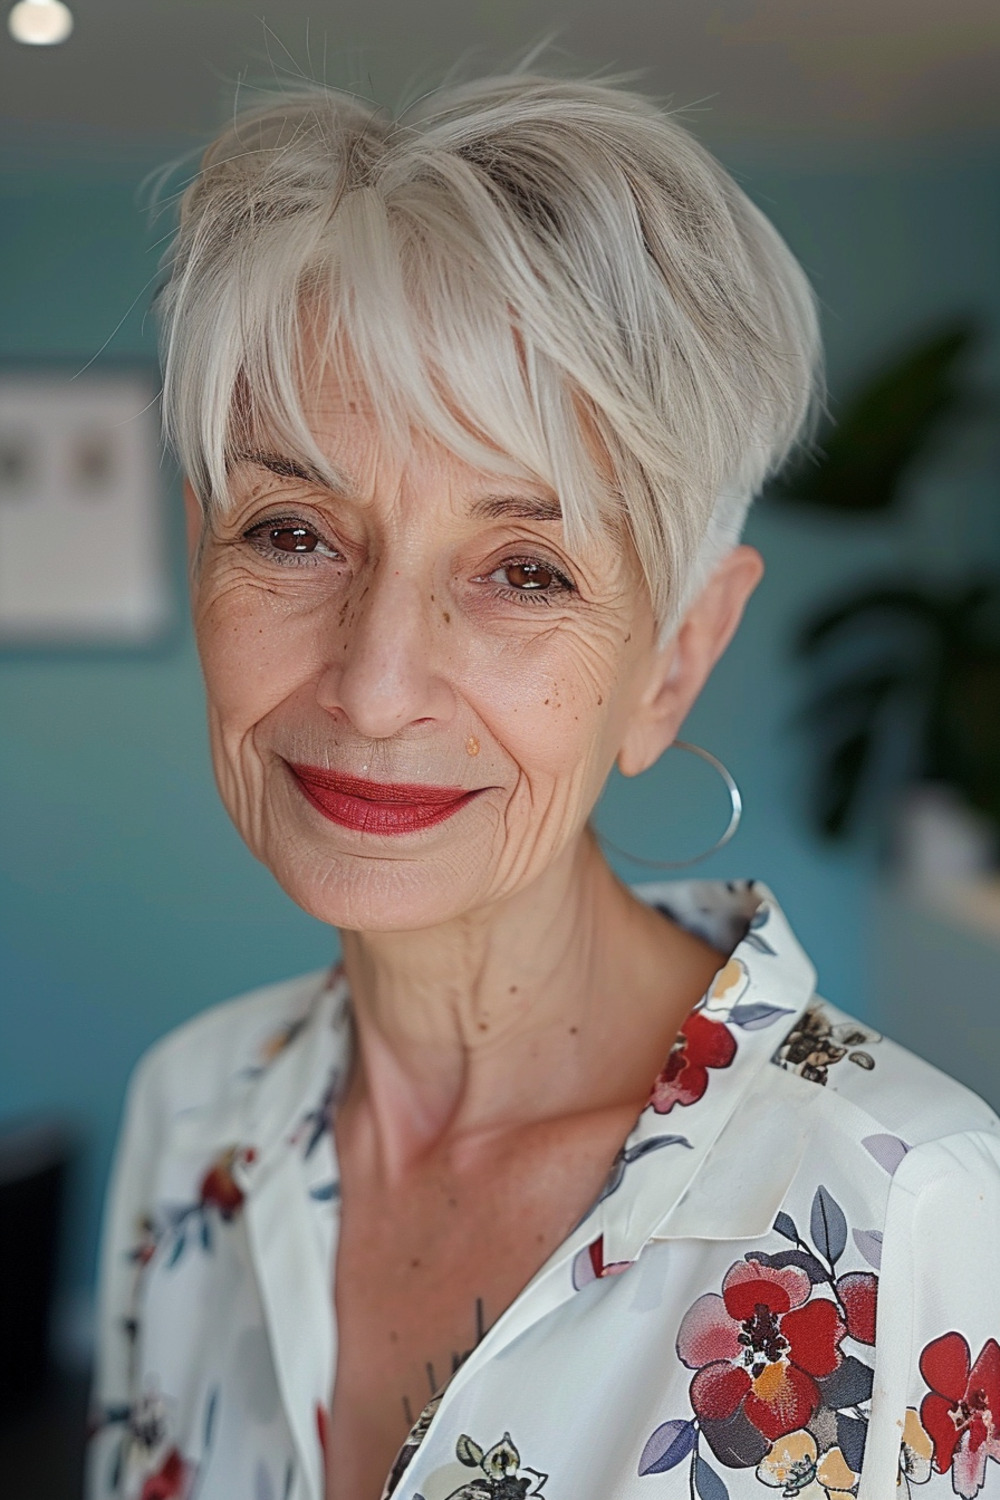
83, 554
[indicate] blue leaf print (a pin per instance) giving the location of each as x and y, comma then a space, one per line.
869, 1242
755, 1017
210, 1410
667, 1447
325, 1193
851, 1435
707, 1483
887, 1150
754, 940
828, 1225
800, 1258
629, 1154
784, 1224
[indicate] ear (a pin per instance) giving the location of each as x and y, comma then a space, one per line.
194, 521
679, 669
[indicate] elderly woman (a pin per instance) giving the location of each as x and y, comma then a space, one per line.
553, 1188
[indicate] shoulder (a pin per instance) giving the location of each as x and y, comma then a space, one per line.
228, 1045
871, 1082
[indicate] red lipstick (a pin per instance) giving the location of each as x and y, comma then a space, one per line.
381, 807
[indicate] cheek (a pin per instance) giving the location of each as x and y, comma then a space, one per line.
253, 652
558, 706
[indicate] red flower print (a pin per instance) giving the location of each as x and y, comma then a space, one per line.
962, 1410
220, 1189
170, 1480
858, 1293
700, 1045
760, 1348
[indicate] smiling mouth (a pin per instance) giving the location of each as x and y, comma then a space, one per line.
380, 807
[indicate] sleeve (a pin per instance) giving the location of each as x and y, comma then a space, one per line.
935, 1414
126, 1241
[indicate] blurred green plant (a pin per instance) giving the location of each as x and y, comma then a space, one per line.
861, 461
915, 666
934, 683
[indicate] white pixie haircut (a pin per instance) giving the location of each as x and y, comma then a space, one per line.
550, 277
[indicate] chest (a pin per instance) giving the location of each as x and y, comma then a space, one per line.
422, 1274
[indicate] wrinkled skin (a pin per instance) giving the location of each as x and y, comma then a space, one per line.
398, 644
512, 1001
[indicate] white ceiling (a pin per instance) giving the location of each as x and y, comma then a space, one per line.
805, 70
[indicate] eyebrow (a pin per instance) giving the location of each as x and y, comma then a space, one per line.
289, 468
488, 507
517, 508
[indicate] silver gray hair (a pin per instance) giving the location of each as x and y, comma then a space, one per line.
550, 277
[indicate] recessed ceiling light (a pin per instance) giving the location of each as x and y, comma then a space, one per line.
40, 23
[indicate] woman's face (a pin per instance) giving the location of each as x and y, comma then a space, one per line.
416, 688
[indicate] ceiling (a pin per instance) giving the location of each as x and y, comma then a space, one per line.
789, 70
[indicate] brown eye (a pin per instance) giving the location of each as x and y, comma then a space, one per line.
529, 575
292, 538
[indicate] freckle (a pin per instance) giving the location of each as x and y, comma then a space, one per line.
547, 702
573, 1030
599, 702
512, 990
540, 1239
414, 1264
452, 1202
484, 1025
446, 617
472, 745
393, 1336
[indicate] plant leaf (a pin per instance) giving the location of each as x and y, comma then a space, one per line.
468, 1452
667, 1447
869, 1242
849, 1385
707, 1483
884, 427
916, 606
756, 1016
800, 1258
827, 1225
887, 1150
211, 1407
784, 1224
851, 1435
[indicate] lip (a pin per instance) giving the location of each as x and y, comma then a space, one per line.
380, 807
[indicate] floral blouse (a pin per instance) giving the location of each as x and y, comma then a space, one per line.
789, 1286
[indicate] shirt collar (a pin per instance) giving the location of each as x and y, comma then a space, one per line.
682, 1173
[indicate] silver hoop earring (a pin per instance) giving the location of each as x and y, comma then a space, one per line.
736, 813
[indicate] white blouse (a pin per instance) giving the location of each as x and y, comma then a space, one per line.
789, 1285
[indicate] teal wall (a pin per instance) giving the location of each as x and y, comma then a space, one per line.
127, 902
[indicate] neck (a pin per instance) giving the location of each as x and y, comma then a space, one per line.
565, 997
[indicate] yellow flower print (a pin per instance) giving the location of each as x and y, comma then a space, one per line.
796, 1468
727, 989
915, 1453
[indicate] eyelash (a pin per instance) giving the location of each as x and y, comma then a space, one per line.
256, 537
531, 597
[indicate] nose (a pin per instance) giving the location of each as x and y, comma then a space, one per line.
382, 671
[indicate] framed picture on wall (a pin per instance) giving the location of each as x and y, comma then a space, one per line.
83, 554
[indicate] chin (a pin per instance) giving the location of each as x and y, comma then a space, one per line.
373, 893
368, 883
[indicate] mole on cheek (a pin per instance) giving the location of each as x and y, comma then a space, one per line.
446, 617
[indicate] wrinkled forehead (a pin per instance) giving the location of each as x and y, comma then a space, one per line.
353, 433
